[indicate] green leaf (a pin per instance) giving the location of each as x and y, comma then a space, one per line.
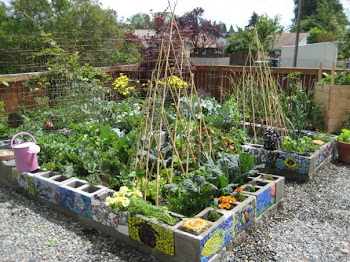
223, 181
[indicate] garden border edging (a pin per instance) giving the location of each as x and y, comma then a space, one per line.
10, 177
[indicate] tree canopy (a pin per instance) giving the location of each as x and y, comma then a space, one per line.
201, 32
261, 26
326, 15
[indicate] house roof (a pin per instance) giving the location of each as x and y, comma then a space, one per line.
144, 32
288, 39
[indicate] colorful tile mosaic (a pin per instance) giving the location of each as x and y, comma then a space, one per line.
293, 162
261, 155
25, 181
212, 243
47, 190
244, 216
152, 235
103, 214
325, 152
266, 198
76, 202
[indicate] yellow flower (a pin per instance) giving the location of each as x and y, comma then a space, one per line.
125, 201
195, 223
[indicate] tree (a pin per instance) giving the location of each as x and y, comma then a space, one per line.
223, 29
325, 15
317, 36
140, 21
79, 25
264, 27
201, 32
253, 20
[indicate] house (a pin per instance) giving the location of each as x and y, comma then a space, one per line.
287, 39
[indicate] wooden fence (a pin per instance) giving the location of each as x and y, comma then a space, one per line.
215, 80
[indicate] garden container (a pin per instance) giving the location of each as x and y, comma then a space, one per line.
202, 248
278, 180
103, 214
151, 233
344, 152
76, 195
265, 193
25, 154
46, 184
335, 100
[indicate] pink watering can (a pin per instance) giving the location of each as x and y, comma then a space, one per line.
25, 154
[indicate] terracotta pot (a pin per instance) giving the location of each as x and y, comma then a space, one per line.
344, 152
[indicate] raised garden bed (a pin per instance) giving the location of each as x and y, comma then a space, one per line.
164, 242
336, 101
291, 166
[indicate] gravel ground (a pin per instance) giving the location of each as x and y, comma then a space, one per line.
312, 225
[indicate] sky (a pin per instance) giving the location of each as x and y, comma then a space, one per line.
230, 12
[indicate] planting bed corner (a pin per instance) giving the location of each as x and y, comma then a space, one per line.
289, 165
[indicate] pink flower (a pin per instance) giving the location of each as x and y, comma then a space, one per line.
48, 124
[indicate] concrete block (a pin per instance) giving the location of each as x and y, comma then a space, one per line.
244, 214
46, 184
25, 182
6, 170
265, 193
14, 177
153, 234
204, 247
292, 166
278, 180
103, 214
76, 195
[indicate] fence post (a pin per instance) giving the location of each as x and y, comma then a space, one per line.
320, 72
332, 73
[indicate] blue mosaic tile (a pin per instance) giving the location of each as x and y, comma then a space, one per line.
266, 199
244, 216
212, 243
293, 162
76, 202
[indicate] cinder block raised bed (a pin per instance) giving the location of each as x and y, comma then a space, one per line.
46, 184
165, 243
264, 192
76, 196
291, 166
103, 214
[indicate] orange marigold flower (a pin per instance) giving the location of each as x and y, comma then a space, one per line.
222, 206
239, 190
224, 199
232, 200
227, 206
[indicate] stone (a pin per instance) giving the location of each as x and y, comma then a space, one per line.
345, 251
6, 154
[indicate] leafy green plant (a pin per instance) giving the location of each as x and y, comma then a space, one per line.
340, 78
213, 216
325, 137
191, 193
302, 146
344, 136
300, 110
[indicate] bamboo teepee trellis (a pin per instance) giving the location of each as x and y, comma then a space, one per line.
162, 93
